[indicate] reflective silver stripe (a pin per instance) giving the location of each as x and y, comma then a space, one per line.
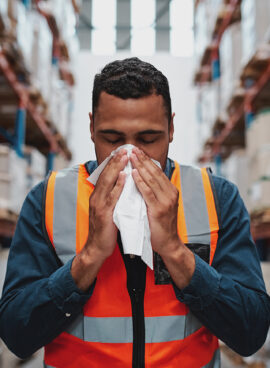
195, 208
192, 324
170, 328
215, 361
47, 366
64, 213
119, 329
108, 330
76, 328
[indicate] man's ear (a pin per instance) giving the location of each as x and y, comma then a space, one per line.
171, 128
92, 127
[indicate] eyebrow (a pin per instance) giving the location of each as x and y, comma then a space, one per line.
113, 131
110, 131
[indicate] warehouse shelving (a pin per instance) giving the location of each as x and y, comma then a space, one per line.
233, 131
251, 96
41, 134
60, 50
209, 60
23, 107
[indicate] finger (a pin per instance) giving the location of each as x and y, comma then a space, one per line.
117, 190
144, 189
111, 172
151, 174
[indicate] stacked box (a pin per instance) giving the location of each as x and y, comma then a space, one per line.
236, 170
13, 179
41, 55
60, 163
208, 109
204, 22
258, 152
255, 24
25, 33
230, 62
258, 134
60, 102
202, 32
4, 7
65, 17
36, 169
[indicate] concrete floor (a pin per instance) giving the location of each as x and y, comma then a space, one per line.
9, 360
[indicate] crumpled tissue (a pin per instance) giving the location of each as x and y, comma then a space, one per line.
130, 213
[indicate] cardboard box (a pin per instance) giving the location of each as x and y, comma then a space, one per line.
259, 195
36, 162
13, 179
230, 62
25, 33
259, 164
235, 169
258, 134
41, 66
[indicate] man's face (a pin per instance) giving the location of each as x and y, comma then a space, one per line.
142, 122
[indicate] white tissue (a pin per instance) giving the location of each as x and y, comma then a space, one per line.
130, 213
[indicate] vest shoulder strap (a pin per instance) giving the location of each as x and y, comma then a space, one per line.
197, 214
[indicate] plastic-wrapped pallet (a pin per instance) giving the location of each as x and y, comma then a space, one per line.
236, 170
210, 102
60, 163
230, 62
36, 169
41, 55
259, 195
25, 33
255, 24
59, 105
205, 10
258, 134
13, 179
258, 150
202, 33
4, 7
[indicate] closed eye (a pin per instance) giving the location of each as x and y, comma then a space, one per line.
113, 141
147, 141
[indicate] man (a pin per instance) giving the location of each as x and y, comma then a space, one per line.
70, 288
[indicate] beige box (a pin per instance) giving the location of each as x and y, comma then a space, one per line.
36, 162
230, 62
258, 134
259, 195
5, 158
236, 170
259, 164
13, 179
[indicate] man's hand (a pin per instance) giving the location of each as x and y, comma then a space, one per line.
102, 231
161, 198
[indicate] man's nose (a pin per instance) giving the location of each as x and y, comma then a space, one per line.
131, 141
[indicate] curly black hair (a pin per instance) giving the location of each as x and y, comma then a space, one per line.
131, 78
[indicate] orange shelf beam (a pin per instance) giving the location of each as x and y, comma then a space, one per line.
23, 96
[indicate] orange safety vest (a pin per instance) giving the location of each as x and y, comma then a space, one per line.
103, 335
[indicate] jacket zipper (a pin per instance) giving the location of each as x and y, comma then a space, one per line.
136, 296
136, 278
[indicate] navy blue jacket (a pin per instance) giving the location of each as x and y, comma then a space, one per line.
40, 298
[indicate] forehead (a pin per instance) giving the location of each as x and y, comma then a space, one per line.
150, 108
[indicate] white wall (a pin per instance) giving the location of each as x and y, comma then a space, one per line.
179, 72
